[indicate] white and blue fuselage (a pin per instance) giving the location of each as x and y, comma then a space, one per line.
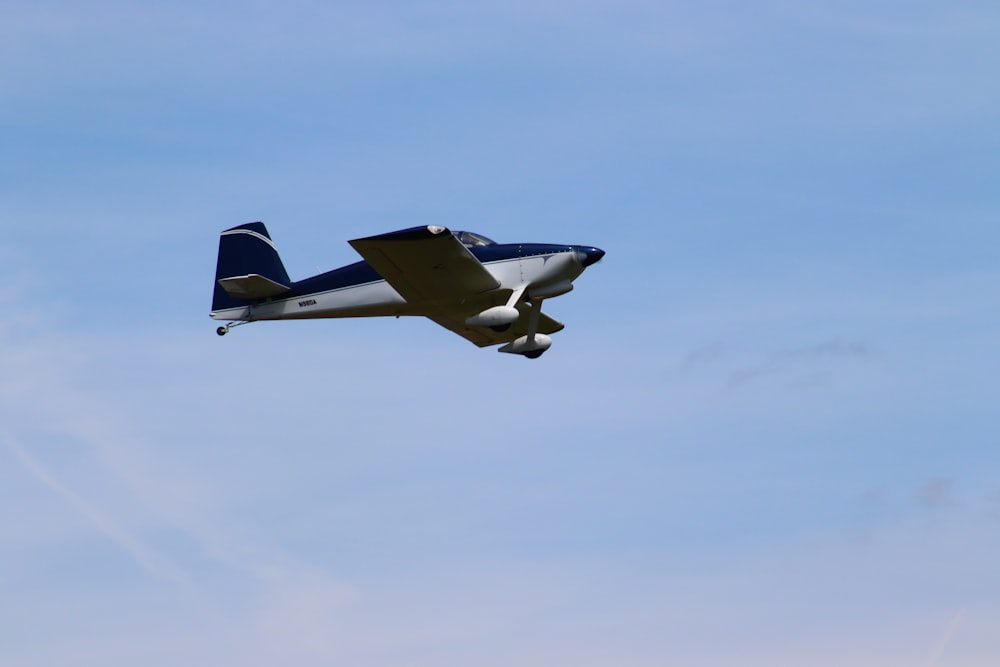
486, 292
357, 290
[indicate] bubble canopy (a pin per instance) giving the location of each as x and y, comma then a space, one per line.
473, 240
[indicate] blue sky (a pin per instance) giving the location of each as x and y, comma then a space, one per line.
767, 436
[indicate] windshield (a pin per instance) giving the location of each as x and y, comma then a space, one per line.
473, 240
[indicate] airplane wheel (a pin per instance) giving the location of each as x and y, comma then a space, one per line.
222, 331
500, 328
534, 355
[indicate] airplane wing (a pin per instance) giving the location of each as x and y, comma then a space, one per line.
429, 265
426, 264
485, 336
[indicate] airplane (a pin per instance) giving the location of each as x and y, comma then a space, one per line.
487, 292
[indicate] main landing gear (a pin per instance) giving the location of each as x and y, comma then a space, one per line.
536, 347
533, 344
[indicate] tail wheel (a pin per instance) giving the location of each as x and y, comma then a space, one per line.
222, 331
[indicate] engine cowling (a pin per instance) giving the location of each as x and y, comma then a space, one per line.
530, 348
497, 316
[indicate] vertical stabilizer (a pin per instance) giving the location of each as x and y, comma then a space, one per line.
248, 268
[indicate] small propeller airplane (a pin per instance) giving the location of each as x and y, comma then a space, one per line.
488, 293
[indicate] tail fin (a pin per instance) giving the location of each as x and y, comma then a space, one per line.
248, 268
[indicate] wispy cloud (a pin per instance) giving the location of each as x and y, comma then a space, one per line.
803, 359
946, 638
145, 557
934, 493
702, 356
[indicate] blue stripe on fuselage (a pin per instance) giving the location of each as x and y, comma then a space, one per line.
534, 249
361, 273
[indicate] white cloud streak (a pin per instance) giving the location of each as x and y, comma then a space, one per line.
946, 638
155, 564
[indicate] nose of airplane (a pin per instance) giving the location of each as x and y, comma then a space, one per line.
588, 255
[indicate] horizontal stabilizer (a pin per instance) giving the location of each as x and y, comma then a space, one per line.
253, 286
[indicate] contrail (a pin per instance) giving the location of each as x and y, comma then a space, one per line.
150, 561
949, 634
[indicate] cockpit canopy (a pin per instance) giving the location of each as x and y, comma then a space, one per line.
473, 240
